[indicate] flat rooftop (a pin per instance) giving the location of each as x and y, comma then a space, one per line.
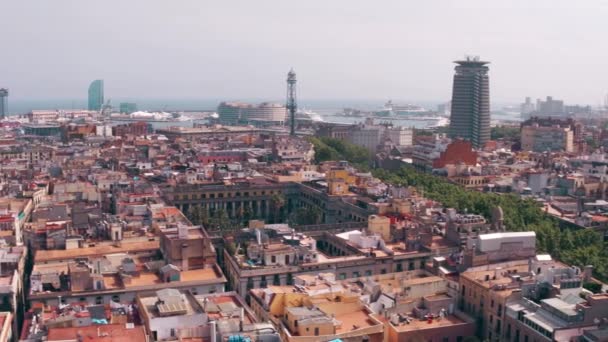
99, 249
479, 277
108, 332
417, 324
223, 306
149, 305
354, 320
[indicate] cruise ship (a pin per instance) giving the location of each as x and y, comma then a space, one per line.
308, 115
391, 109
148, 117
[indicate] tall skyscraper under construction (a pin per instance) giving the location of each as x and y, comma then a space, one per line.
470, 115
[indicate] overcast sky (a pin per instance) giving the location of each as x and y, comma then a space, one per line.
340, 49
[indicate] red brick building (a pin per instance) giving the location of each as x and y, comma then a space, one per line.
134, 128
458, 151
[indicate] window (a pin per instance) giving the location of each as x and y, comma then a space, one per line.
295, 323
383, 271
116, 299
356, 274
368, 273
316, 331
399, 267
287, 260
98, 300
273, 259
492, 303
342, 276
263, 281
499, 310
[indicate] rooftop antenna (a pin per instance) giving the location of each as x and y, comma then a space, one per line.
291, 100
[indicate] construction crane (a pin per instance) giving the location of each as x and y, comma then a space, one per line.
106, 109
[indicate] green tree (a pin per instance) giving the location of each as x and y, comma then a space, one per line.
305, 216
512, 133
327, 149
277, 208
576, 247
220, 221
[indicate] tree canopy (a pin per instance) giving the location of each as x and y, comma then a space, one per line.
578, 247
335, 149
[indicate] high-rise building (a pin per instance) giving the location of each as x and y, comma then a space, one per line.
527, 108
96, 95
3, 103
550, 107
470, 115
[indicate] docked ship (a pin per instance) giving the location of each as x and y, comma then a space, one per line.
391, 109
308, 115
149, 117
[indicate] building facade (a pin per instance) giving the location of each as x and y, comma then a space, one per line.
470, 115
550, 107
401, 136
549, 135
237, 112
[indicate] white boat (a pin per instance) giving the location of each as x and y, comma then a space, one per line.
308, 115
391, 109
148, 117
442, 122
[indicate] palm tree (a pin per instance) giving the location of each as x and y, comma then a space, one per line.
277, 204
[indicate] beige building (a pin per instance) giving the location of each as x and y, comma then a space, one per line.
237, 112
380, 225
547, 138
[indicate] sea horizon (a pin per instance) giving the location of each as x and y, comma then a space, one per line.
24, 106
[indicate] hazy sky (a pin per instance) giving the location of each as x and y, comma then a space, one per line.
340, 49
